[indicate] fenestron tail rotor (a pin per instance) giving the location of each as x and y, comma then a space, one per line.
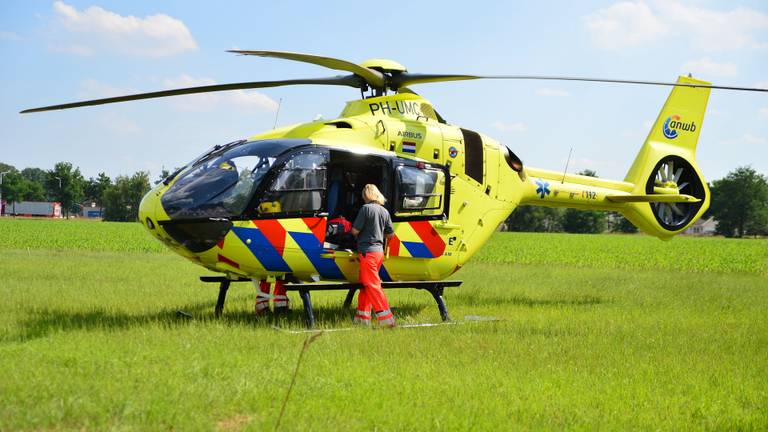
379, 75
674, 172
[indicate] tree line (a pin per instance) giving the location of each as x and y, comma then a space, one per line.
65, 184
739, 204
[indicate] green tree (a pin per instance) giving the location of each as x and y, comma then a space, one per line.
95, 187
622, 225
4, 167
36, 179
122, 199
163, 175
534, 219
13, 188
740, 203
584, 221
17, 188
66, 184
7, 187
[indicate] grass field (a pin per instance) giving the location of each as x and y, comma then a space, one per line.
610, 332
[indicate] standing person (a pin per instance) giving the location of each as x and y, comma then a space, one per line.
280, 299
371, 226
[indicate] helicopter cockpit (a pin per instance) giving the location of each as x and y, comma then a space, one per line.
221, 183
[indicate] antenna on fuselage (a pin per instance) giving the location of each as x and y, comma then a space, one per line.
279, 103
567, 161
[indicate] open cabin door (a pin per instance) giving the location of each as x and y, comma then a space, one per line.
421, 205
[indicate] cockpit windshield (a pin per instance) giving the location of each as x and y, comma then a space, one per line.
222, 182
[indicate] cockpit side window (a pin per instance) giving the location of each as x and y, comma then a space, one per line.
221, 184
421, 191
298, 187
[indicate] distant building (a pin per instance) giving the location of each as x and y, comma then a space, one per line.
92, 210
33, 208
702, 227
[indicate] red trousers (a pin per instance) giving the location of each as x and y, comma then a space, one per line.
280, 298
371, 294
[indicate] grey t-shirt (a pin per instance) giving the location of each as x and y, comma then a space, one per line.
373, 222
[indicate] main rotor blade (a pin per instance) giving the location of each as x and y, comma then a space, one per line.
406, 78
373, 77
348, 80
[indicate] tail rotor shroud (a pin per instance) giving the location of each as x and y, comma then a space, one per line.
675, 172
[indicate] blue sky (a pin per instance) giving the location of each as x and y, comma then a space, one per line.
64, 51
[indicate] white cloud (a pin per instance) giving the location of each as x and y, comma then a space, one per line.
511, 127
249, 100
708, 68
624, 24
763, 112
118, 124
762, 85
754, 139
552, 92
93, 89
717, 30
98, 30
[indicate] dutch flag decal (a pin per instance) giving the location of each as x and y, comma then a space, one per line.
409, 147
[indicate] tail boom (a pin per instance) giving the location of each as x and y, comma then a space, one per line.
664, 191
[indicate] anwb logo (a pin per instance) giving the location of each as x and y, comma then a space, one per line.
673, 124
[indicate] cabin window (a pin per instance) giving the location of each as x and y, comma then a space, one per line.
473, 155
222, 182
298, 186
420, 191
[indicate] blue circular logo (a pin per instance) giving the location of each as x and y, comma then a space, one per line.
453, 152
669, 132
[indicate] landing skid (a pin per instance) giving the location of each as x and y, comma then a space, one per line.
435, 288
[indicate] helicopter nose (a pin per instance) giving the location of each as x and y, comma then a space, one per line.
148, 210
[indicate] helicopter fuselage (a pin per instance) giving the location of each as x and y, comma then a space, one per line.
276, 205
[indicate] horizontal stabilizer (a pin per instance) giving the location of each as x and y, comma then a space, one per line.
653, 198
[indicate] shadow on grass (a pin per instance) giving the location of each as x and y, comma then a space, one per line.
522, 300
42, 322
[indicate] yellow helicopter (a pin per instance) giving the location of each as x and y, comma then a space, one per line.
274, 206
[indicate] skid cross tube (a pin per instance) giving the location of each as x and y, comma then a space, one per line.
436, 288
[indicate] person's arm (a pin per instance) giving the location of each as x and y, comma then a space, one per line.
359, 223
389, 232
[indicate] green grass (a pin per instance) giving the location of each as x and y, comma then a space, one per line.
89, 340
76, 235
689, 254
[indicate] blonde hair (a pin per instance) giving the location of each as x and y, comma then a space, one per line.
371, 194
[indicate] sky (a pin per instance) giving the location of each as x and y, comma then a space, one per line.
66, 51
